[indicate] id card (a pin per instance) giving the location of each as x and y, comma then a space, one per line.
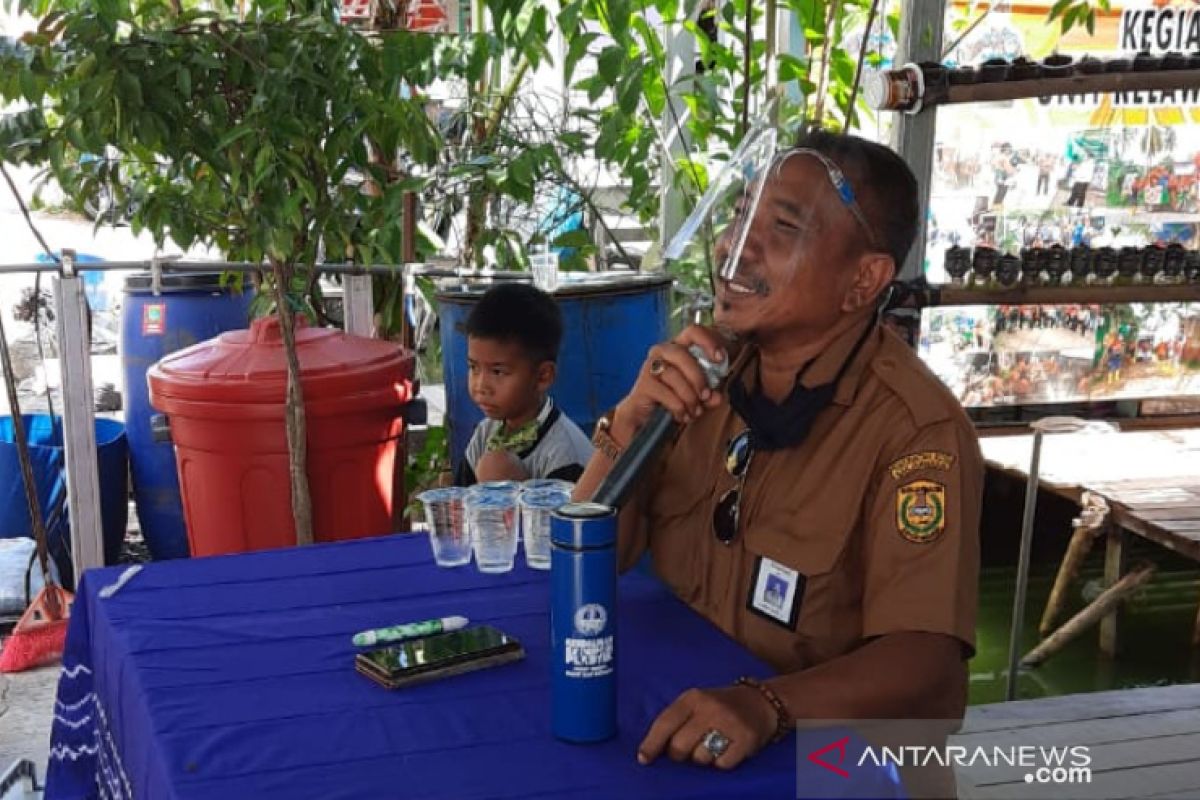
776, 592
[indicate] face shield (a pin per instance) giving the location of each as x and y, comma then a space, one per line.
751, 230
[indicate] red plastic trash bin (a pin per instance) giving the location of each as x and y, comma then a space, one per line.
225, 402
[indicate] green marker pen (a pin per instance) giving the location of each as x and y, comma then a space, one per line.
409, 630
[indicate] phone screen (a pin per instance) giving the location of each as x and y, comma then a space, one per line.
436, 652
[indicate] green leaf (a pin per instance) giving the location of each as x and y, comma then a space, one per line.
29, 86
1068, 20
568, 18
131, 89
619, 15
791, 68
264, 165
654, 91
1057, 9
610, 63
576, 50
575, 238
240, 132
629, 91
183, 82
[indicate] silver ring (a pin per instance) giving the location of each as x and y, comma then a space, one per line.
715, 742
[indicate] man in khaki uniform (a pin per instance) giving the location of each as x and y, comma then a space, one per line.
824, 509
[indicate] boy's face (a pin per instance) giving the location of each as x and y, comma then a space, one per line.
504, 381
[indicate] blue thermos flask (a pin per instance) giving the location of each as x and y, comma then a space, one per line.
583, 622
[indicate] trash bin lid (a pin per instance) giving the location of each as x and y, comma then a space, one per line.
250, 367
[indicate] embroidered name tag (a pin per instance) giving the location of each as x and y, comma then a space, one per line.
930, 459
776, 592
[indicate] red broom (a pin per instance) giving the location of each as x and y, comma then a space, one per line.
40, 634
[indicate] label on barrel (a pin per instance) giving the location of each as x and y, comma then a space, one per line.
154, 319
589, 657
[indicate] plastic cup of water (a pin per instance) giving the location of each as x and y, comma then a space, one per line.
544, 264
536, 507
449, 534
534, 484
496, 486
492, 518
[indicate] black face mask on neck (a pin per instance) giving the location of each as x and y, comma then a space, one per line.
776, 426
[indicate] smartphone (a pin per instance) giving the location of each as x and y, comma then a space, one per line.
441, 655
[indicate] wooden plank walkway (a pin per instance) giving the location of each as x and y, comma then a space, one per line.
1149, 479
1165, 512
1143, 743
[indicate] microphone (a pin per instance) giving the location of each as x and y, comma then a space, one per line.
616, 486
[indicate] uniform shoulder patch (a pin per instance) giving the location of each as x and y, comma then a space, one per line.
921, 511
928, 459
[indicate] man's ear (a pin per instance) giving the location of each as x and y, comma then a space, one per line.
875, 272
547, 371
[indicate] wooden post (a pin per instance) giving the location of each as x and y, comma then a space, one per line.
1100, 608
1086, 526
1114, 567
1077, 550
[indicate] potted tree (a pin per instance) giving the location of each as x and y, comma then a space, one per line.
236, 125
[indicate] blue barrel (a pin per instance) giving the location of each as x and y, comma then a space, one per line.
191, 308
46, 453
610, 320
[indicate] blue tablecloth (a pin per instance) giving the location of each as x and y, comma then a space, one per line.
233, 677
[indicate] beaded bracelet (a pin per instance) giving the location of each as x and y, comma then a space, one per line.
783, 720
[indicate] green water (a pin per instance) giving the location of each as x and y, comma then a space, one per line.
1155, 631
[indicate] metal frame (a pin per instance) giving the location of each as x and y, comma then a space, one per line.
79, 428
921, 23
680, 62
358, 305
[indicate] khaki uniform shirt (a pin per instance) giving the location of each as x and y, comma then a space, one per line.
877, 510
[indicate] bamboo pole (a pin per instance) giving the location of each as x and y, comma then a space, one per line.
1108, 600
1086, 528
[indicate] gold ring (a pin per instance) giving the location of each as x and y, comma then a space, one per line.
658, 367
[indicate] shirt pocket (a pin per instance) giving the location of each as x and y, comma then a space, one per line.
815, 539
808, 537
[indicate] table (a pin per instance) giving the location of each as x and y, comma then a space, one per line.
1150, 481
232, 677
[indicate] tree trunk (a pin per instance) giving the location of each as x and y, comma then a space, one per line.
297, 426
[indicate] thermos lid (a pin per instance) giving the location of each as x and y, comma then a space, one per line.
583, 526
